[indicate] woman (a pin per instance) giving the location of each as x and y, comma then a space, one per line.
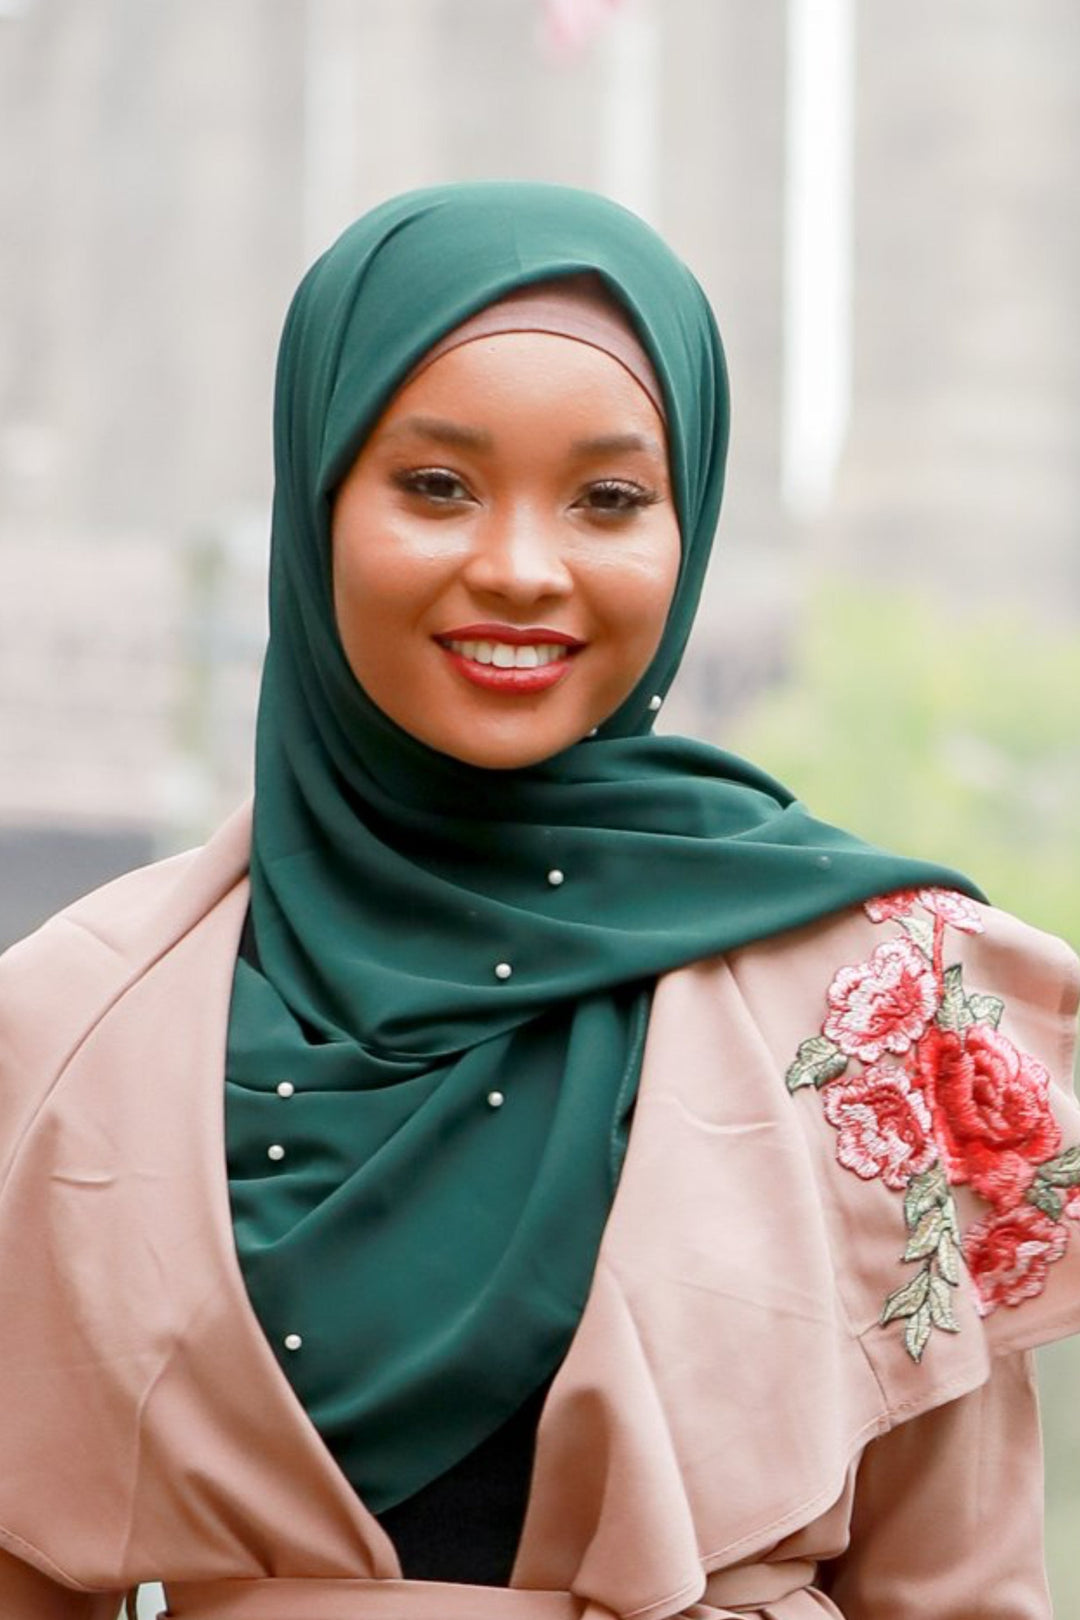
633, 1196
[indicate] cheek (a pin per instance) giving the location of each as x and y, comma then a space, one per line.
380, 569
637, 584
368, 584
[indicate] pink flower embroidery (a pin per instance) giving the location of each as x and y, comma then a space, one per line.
883, 1005
884, 1126
939, 1096
955, 909
1009, 1255
888, 907
991, 1110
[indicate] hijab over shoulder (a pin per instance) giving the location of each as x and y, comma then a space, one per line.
432, 1254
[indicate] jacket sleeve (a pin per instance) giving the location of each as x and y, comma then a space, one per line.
26, 1594
948, 1512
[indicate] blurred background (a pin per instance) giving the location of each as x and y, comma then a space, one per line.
882, 203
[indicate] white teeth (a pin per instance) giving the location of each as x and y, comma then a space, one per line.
505, 656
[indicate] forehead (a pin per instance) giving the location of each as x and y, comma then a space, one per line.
555, 381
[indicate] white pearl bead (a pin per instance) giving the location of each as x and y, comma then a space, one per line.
275, 1152
285, 1088
556, 878
495, 1099
293, 1341
503, 970
655, 703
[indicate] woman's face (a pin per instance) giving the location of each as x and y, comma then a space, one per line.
505, 548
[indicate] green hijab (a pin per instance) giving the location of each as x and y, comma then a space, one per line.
429, 1246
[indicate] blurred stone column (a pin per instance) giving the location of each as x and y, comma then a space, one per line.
963, 473
371, 108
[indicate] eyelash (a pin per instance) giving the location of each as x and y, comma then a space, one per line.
630, 497
419, 481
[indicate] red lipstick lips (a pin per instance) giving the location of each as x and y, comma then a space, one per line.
512, 659
514, 635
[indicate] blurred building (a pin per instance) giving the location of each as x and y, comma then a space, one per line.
880, 199
168, 170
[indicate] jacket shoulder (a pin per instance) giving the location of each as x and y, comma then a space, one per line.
823, 972
56, 984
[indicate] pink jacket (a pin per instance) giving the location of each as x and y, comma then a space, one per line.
733, 1412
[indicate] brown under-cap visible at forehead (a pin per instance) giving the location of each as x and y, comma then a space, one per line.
575, 307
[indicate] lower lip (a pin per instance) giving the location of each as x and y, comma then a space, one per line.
513, 682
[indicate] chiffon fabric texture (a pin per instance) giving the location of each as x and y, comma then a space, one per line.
419, 1259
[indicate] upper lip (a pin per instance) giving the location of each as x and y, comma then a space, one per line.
513, 635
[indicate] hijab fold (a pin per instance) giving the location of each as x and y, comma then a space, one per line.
453, 1138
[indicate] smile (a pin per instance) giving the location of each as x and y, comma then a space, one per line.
523, 664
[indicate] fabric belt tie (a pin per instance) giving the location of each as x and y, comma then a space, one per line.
281, 1598
730, 1594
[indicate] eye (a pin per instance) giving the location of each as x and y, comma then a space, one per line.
615, 497
438, 485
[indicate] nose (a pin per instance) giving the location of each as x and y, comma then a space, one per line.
517, 555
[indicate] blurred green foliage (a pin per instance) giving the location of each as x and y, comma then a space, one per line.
955, 737
952, 737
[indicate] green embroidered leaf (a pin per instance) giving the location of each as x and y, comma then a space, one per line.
920, 930
917, 1332
948, 1257
1064, 1171
819, 1060
948, 1216
1047, 1199
923, 1193
953, 1012
927, 1235
939, 1300
909, 1299
985, 1009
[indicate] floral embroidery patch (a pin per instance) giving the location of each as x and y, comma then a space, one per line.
941, 1098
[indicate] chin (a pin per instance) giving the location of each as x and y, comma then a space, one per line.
502, 754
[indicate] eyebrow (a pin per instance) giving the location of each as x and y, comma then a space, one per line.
608, 444
440, 431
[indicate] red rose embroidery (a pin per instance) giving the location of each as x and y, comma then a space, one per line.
1009, 1255
990, 1108
884, 1126
883, 1005
955, 909
941, 1097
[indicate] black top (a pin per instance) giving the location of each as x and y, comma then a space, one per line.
465, 1526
